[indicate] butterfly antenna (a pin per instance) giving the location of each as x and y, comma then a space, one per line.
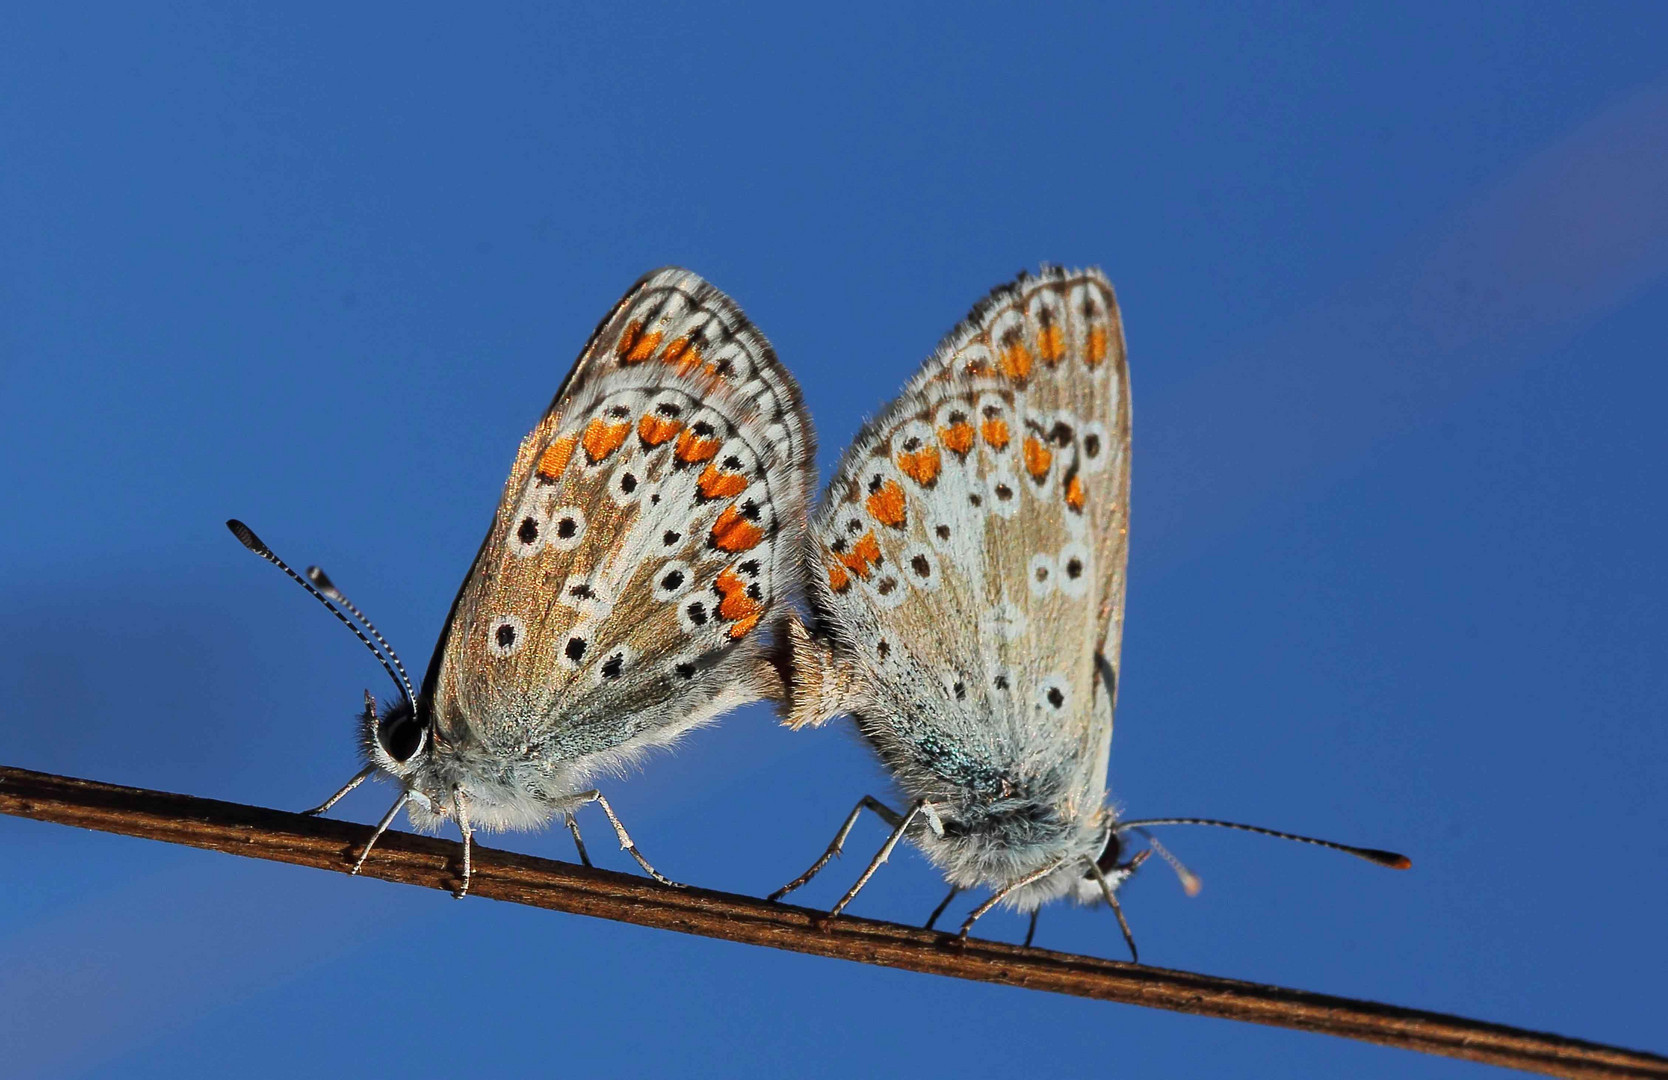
1393, 860
322, 580
246, 536
1190, 882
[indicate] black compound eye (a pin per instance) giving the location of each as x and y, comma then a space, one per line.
400, 735
1110, 855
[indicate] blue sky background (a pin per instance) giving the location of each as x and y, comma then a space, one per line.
1394, 287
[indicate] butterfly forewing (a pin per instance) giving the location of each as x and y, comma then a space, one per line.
651, 522
976, 530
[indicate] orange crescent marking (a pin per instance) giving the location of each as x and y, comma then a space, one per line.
555, 458
735, 603
838, 579
734, 533
720, 485
693, 448
863, 555
1016, 361
1097, 346
922, 466
654, 430
957, 437
602, 438
995, 432
681, 355
643, 348
740, 629
887, 504
1050, 344
1074, 493
628, 339
1037, 458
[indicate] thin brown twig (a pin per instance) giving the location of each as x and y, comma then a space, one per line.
499, 875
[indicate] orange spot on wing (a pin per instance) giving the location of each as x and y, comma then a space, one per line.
838, 579
887, 504
555, 457
654, 430
958, 437
681, 355
1051, 344
995, 431
734, 605
602, 438
732, 532
740, 629
715, 484
628, 339
921, 466
1037, 458
642, 347
1097, 346
1074, 493
693, 448
863, 556
1016, 359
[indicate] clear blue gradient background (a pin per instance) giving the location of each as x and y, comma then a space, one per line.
1394, 286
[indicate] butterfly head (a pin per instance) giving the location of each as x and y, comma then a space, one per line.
1109, 865
395, 739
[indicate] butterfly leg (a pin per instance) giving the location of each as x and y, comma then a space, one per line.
955, 890
880, 857
358, 778
381, 827
468, 842
624, 837
886, 814
578, 842
1106, 887
1000, 894
1031, 931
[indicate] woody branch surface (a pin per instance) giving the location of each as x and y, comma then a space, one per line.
327, 844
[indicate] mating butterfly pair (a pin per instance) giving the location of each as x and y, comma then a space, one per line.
965, 575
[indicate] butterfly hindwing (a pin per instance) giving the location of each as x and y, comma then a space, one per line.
651, 522
968, 561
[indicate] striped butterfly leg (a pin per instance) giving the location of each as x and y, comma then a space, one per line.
1106, 888
922, 808
884, 812
624, 837
1000, 894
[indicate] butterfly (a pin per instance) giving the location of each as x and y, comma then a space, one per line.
650, 526
967, 577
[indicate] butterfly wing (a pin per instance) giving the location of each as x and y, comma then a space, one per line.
652, 520
968, 562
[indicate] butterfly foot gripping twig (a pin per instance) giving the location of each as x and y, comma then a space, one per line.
624, 837
884, 812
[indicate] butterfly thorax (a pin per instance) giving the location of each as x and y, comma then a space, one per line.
988, 844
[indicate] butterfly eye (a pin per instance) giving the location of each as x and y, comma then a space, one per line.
1109, 856
400, 736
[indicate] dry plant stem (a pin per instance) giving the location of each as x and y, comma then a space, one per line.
498, 875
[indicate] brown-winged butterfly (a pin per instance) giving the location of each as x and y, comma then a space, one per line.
652, 522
